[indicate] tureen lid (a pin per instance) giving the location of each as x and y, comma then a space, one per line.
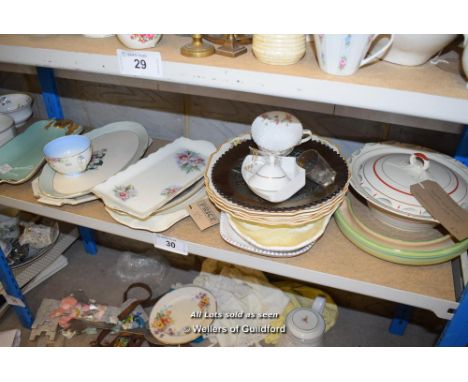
384, 174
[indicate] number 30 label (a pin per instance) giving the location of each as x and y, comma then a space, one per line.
144, 64
170, 244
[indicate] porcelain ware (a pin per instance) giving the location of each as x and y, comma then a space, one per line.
7, 129
344, 54
279, 49
278, 132
17, 106
139, 41
69, 155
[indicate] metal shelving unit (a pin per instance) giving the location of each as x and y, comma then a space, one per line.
333, 261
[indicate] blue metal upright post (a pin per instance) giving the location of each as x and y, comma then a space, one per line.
54, 110
400, 319
456, 331
12, 288
462, 149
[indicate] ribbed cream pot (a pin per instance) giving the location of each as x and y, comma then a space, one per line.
279, 49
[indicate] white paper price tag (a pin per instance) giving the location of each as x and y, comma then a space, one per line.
11, 300
170, 244
144, 64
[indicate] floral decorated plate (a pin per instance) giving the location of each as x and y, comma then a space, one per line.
146, 186
175, 316
158, 222
115, 146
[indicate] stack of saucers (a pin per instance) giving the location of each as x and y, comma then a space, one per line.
153, 194
112, 148
276, 229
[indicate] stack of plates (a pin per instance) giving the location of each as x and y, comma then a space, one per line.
362, 227
115, 147
275, 229
153, 194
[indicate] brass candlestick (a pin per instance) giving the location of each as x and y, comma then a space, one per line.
197, 48
231, 44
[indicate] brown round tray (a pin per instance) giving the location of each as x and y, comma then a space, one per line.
228, 182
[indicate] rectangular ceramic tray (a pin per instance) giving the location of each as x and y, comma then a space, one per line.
148, 185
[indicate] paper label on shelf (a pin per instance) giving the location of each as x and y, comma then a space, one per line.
170, 244
141, 64
442, 207
204, 214
14, 301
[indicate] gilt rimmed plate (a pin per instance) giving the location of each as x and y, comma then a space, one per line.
115, 146
154, 181
172, 320
21, 157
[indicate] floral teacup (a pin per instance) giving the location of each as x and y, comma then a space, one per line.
69, 155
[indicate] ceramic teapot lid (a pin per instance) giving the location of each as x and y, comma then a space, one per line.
305, 324
384, 175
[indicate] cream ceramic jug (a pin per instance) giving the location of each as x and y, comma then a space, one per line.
343, 54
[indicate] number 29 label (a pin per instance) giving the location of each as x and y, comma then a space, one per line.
142, 64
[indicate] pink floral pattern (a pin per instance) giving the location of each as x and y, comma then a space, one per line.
142, 37
342, 63
162, 321
189, 161
204, 301
276, 119
170, 191
125, 192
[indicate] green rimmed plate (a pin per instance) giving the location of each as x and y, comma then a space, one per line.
115, 146
21, 157
423, 254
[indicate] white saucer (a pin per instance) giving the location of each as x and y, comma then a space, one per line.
293, 171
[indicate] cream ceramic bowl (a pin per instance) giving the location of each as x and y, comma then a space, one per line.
279, 49
7, 129
17, 106
415, 49
139, 41
69, 155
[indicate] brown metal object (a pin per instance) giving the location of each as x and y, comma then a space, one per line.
197, 48
231, 44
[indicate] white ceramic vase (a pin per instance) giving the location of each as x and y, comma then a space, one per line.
344, 54
279, 49
416, 49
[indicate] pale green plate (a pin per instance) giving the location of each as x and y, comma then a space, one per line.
442, 252
21, 157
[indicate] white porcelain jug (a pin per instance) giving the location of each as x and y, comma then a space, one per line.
305, 327
343, 54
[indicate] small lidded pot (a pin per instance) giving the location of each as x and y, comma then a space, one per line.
279, 49
139, 41
69, 155
278, 132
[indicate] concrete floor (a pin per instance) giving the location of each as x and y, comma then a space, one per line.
362, 321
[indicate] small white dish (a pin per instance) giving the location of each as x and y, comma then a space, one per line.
17, 106
139, 41
58, 202
7, 129
69, 155
273, 189
278, 132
